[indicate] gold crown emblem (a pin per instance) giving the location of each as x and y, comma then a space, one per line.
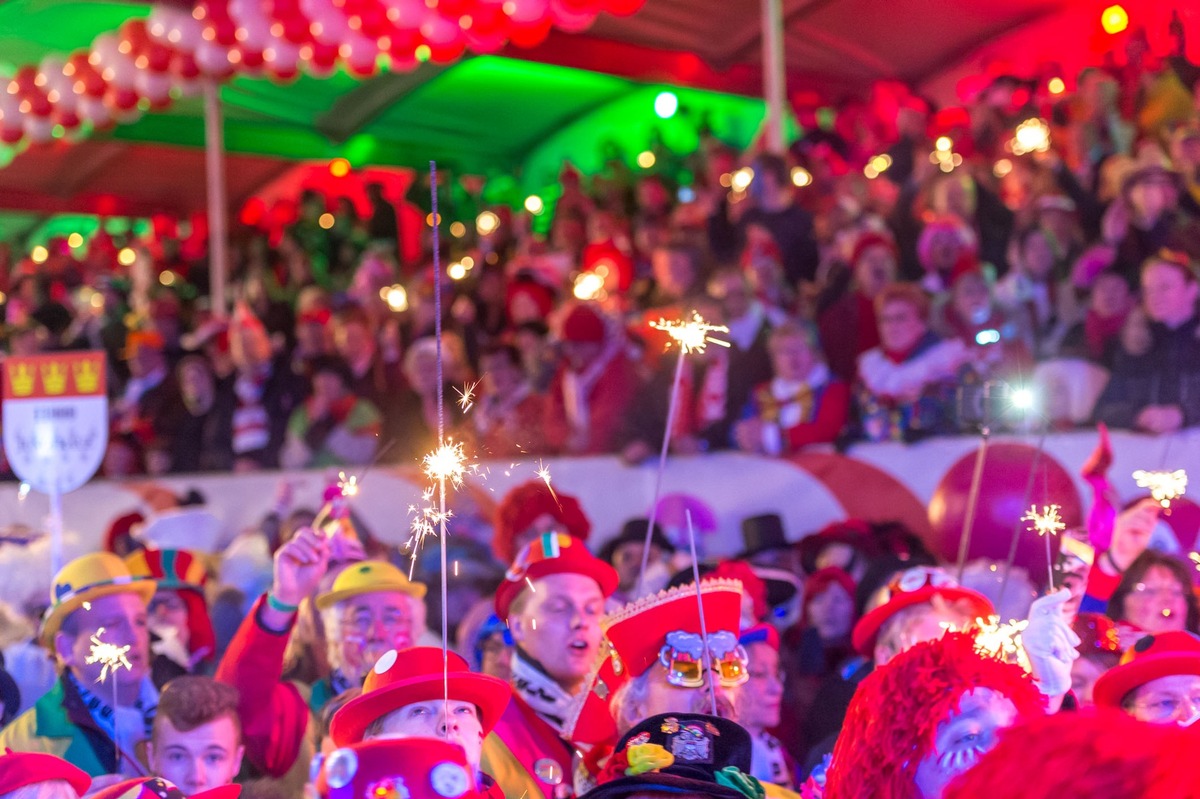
87, 377
54, 378
21, 377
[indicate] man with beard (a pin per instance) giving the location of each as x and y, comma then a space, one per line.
552, 599
370, 609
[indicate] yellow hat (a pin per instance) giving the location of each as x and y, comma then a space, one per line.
368, 577
86, 579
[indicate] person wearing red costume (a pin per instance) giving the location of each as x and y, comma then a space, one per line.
509, 417
847, 324
531, 510
594, 386
370, 609
404, 697
924, 718
552, 599
1085, 755
24, 773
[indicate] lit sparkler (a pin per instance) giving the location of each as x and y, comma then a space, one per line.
1031, 136
447, 462
691, 335
1002, 639
466, 396
111, 656
348, 485
543, 473
1164, 486
1046, 524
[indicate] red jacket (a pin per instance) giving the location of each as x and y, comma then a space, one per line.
273, 713
523, 750
609, 400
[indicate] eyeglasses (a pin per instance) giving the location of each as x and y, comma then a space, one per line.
684, 654
1170, 708
921, 577
363, 621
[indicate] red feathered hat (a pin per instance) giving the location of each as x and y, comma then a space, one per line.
1084, 755
552, 553
415, 675
523, 505
639, 630
20, 769
412, 768
914, 587
892, 722
1153, 656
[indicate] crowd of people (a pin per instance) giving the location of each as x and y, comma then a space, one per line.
899, 273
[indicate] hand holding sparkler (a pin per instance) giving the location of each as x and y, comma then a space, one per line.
1046, 524
691, 335
1050, 643
299, 566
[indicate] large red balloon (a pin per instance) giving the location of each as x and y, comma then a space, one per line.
1002, 502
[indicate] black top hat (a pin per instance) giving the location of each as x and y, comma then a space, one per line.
698, 754
633, 531
763, 533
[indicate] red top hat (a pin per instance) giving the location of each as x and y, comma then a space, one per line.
415, 675
552, 553
19, 769
158, 788
915, 587
1151, 657
406, 768
639, 630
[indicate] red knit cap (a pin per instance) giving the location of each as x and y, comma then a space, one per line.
523, 505
583, 325
1084, 755
893, 719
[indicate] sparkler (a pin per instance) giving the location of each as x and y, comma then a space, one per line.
1164, 486
1046, 524
689, 336
543, 473
706, 662
1000, 639
1031, 136
446, 463
466, 396
112, 658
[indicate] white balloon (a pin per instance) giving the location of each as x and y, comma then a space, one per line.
439, 30
154, 86
282, 56
525, 11
11, 118
115, 67
327, 24
405, 14
58, 87
187, 32
253, 24
39, 129
213, 59
94, 110
360, 53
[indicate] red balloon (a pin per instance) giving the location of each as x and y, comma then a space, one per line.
623, 8
489, 28
1002, 502
121, 99
530, 35
183, 65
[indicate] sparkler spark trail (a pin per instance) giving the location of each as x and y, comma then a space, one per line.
543, 473
1164, 486
691, 335
1048, 522
110, 655
348, 485
466, 396
1002, 639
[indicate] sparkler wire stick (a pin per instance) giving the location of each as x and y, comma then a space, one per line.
662, 467
964, 541
706, 661
1011, 560
441, 418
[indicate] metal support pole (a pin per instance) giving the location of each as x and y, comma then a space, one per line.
774, 82
218, 204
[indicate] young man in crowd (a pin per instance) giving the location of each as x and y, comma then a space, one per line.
196, 739
552, 599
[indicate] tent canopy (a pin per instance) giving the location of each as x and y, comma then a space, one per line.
520, 112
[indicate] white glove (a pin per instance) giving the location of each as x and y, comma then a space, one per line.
1050, 644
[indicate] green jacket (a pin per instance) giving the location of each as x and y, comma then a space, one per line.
59, 724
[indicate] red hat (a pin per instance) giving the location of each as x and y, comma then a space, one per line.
19, 769
915, 587
639, 630
158, 788
583, 325
893, 719
403, 768
822, 579
1083, 755
752, 584
552, 553
415, 675
538, 293
1151, 657
523, 505
868, 240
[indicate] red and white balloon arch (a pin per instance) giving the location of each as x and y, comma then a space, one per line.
146, 63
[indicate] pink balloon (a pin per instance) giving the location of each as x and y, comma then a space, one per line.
12, 121
569, 20
39, 129
94, 110
282, 57
60, 89
154, 86
1002, 503
213, 59
360, 54
405, 14
439, 31
526, 11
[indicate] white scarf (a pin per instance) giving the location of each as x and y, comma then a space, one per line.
767, 763
539, 690
126, 725
577, 387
